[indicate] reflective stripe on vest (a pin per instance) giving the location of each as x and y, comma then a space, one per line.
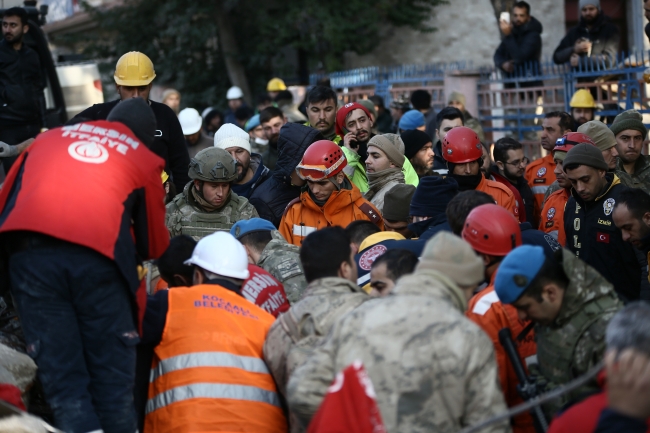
212, 390
539, 189
303, 230
208, 359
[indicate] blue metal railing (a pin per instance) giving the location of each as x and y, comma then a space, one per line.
625, 71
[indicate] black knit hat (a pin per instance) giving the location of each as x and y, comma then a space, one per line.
136, 114
414, 140
585, 154
432, 196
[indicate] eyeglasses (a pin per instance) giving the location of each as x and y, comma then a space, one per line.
517, 163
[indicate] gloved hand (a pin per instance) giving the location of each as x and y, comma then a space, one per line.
7, 151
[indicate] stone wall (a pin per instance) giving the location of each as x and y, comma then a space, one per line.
467, 30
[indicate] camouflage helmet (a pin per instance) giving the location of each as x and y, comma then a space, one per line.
213, 165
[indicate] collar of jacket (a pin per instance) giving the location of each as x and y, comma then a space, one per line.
420, 227
329, 285
427, 282
191, 198
585, 285
226, 284
612, 180
641, 164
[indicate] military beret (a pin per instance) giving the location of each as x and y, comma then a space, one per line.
244, 227
516, 272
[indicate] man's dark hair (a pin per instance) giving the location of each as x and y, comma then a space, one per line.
398, 262
323, 251
421, 99
264, 98
256, 240
566, 120
378, 101
171, 261
244, 113
550, 272
17, 12
358, 230
636, 200
270, 113
449, 113
522, 5
461, 205
502, 146
321, 94
284, 95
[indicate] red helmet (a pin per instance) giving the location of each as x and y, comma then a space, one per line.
461, 145
570, 139
322, 160
490, 229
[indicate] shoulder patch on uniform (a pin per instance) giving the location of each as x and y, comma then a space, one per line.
608, 206
541, 172
370, 212
291, 203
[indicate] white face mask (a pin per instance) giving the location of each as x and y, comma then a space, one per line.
261, 141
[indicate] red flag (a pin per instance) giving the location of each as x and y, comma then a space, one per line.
349, 405
602, 237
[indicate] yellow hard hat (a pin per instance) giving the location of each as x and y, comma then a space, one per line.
164, 176
582, 99
276, 85
134, 69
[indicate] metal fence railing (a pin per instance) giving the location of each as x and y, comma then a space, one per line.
511, 104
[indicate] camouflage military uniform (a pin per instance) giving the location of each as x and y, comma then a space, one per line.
575, 341
550, 190
473, 124
325, 300
640, 178
433, 369
282, 260
185, 216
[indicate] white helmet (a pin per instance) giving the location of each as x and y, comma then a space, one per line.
221, 254
190, 121
234, 93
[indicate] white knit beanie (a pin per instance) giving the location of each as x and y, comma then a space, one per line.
230, 135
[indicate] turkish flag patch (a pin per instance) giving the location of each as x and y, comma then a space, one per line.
602, 237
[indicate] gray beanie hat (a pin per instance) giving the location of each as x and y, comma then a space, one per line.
392, 146
137, 115
599, 133
583, 3
585, 154
630, 119
454, 258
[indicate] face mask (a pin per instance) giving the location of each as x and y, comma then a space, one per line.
261, 141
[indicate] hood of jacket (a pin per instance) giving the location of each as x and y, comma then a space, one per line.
585, 285
431, 283
532, 26
422, 226
294, 140
260, 174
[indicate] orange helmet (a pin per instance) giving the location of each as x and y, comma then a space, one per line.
570, 139
461, 145
490, 229
322, 160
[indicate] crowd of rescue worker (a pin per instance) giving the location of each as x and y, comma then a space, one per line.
323, 267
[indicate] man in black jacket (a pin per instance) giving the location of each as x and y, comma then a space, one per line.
594, 39
21, 85
519, 52
271, 198
588, 222
134, 75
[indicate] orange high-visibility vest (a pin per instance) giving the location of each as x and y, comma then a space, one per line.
208, 373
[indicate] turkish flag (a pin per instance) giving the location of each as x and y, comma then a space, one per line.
349, 405
602, 237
